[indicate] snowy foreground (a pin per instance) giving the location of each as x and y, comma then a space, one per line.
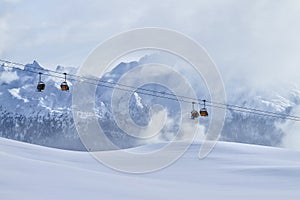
231, 171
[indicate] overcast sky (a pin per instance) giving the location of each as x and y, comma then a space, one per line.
246, 38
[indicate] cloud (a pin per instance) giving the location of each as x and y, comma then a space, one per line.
8, 77
12, 1
242, 36
291, 130
258, 40
259, 47
4, 34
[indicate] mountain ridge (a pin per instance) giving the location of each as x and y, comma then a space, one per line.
46, 118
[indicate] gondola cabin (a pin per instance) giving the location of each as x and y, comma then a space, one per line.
194, 114
64, 86
203, 112
41, 85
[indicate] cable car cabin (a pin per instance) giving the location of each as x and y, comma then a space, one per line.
40, 86
64, 86
203, 112
194, 114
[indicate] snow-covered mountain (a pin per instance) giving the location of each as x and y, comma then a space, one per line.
45, 118
41, 118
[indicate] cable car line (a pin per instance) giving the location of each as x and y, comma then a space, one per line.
97, 80
107, 86
230, 106
149, 92
28, 66
278, 115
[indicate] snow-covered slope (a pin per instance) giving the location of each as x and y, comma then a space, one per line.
231, 171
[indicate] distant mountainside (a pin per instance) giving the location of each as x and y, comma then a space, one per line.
46, 118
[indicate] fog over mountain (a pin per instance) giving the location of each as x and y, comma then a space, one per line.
46, 118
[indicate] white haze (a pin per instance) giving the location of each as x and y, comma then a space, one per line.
7, 77
291, 129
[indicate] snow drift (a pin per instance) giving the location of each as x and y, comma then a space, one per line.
231, 171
